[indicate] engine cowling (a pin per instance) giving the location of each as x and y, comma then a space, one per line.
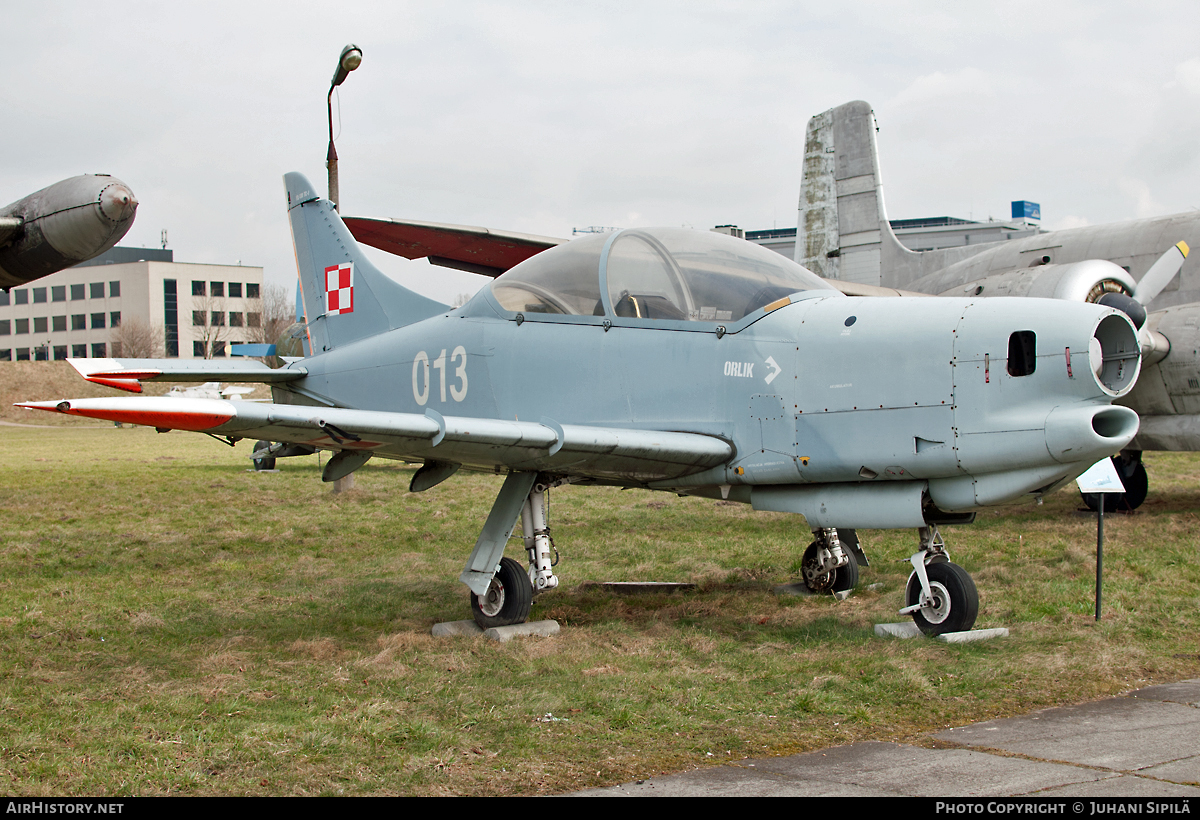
60, 226
1085, 281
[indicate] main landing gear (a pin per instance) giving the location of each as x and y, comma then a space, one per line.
830, 564
940, 596
508, 595
1128, 464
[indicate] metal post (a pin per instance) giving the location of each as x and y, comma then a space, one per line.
331, 156
350, 59
1099, 548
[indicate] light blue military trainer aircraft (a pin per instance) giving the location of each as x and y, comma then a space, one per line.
684, 361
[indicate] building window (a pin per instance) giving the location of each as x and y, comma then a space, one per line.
218, 318
3, 298
76, 293
218, 349
5, 327
96, 291
97, 321
217, 288
58, 293
114, 288
40, 324
60, 352
79, 321
22, 325
6, 355
235, 290
170, 318
22, 354
98, 351
235, 319
114, 319
20, 297
115, 349
197, 318
39, 296
197, 288
198, 349
253, 320
78, 351
59, 324
251, 290
41, 353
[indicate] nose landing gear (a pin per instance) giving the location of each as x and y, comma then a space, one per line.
940, 596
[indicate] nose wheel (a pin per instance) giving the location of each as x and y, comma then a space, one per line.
940, 596
952, 603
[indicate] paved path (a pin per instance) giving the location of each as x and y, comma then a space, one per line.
1145, 744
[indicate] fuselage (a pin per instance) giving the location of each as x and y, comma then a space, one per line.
825, 389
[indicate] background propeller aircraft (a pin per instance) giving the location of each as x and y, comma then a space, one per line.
675, 360
844, 235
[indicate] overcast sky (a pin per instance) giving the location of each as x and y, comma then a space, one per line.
546, 116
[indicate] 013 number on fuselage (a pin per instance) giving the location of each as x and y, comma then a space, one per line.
421, 383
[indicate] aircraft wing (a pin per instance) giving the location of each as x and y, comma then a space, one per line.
463, 247
607, 453
127, 374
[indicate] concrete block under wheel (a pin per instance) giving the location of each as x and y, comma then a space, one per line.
541, 629
973, 635
908, 629
452, 628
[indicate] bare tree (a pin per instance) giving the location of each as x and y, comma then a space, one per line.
277, 314
136, 338
209, 323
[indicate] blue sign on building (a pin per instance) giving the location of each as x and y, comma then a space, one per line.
1023, 209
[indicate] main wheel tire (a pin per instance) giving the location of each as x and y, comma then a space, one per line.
267, 463
956, 601
508, 599
840, 580
1135, 481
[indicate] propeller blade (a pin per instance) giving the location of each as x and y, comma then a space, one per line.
1161, 273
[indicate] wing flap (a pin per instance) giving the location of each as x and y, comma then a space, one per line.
598, 452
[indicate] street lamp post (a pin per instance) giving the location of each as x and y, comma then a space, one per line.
350, 59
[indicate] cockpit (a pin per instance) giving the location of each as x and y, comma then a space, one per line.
666, 274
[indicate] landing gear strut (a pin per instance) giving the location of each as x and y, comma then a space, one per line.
940, 596
501, 591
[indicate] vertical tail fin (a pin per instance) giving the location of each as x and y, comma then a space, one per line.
345, 297
843, 231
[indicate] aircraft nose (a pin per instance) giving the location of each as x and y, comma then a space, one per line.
117, 202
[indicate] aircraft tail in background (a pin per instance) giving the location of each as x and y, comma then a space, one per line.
345, 297
843, 228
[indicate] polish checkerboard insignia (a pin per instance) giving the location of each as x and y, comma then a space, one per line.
339, 288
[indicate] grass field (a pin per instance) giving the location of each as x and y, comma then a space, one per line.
171, 623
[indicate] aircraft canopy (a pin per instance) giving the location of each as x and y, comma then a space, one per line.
654, 273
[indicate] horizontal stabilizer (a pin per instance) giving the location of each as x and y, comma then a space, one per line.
602, 452
463, 247
124, 374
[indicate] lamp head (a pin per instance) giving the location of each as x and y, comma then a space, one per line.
350, 59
